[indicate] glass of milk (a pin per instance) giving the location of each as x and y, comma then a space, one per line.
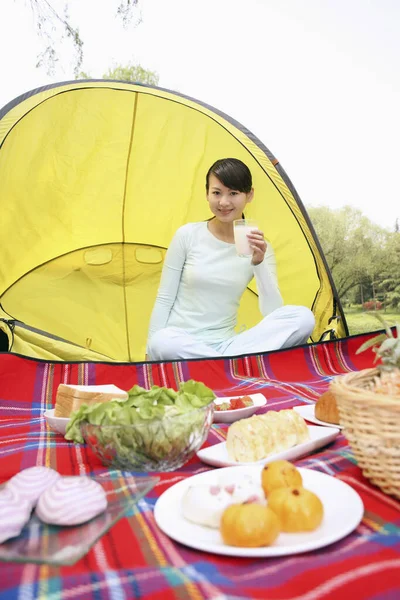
241, 227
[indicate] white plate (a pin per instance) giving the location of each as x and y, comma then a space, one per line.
307, 411
58, 424
229, 416
343, 511
217, 455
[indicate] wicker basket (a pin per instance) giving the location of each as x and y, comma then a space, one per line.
371, 423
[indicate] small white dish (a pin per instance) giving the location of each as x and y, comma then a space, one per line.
343, 511
229, 416
307, 411
217, 455
58, 424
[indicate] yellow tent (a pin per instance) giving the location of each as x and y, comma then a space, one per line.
95, 178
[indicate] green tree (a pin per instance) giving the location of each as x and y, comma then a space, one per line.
132, 73
135, 73
353, 247
54, 26
388, 280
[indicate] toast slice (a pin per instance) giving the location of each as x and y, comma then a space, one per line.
69, 398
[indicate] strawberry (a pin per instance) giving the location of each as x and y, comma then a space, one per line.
242, 402
237, 403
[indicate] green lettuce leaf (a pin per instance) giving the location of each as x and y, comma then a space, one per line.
163, 418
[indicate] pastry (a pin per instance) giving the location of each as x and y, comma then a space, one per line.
249, 440
277, 474
326, 408
299, 424
15, 512
249, 525
69, 398
204, 504
259, 436
297, 509
71, 501
243, 489
31, 482
283, 430
289, 428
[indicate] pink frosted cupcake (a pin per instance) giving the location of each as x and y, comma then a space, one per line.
15, 512
32, 482
71, 501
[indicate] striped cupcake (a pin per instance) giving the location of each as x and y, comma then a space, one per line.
71, 501
32, 482
15, 512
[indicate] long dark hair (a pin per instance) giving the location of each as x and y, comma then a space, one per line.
233, 173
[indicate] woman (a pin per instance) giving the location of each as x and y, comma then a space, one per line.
203, 279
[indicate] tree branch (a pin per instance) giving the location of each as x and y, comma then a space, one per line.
53, 26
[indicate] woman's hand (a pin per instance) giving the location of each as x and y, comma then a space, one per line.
258, 245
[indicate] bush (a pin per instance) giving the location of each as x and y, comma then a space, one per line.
373, 305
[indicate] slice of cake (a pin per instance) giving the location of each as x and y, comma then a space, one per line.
259, 436
69, 398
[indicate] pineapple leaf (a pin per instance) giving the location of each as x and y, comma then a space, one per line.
388, 351
385, 324
372, 342
388, 345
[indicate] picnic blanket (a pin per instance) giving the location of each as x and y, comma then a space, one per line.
134, 559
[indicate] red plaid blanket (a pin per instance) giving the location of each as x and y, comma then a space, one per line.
136, 560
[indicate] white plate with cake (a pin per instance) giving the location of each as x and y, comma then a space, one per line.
342, 512
217, 455
264, 438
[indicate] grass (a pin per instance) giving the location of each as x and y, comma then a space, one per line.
360, 321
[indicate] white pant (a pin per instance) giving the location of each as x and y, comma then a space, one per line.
284, 327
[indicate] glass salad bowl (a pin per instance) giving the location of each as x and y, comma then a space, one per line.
163, 443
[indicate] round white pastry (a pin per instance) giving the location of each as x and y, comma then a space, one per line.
15, 512
32, 482
71, 501
204, 504
245, 489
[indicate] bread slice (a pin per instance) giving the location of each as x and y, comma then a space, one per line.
70, 397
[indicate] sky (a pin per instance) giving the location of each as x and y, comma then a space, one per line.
317, 81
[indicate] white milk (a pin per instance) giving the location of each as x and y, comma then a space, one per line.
241, 241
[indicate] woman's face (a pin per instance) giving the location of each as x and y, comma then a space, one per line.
226, 204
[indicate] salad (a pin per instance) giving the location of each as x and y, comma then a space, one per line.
151, 423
